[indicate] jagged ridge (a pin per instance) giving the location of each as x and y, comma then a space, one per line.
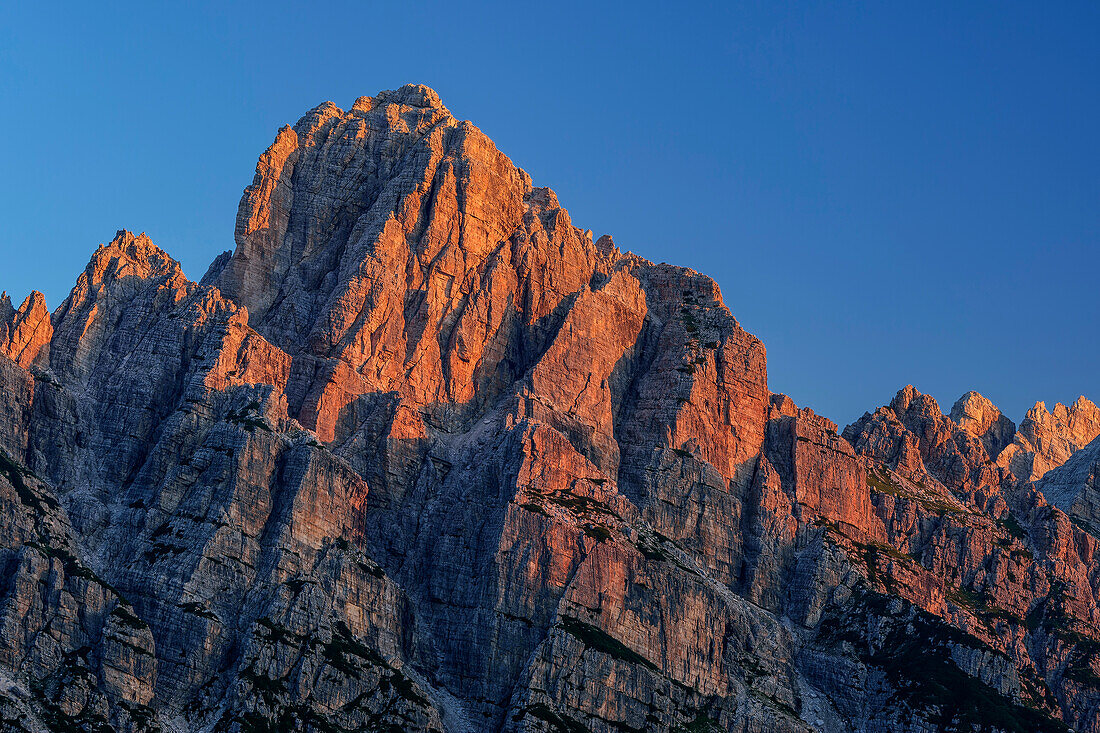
420, 453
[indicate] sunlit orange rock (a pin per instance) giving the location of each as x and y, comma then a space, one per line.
25, 333
420, 454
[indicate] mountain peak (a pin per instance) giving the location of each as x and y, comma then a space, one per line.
421, 444
24, 332
910, 398
409, 95
130, 255
978, 416
1047, 438
352, 213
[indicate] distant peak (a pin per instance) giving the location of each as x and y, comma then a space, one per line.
910, 402
130, 254
410, 95
978, 416
906, 394
974, 406
26, 332
416, 104
905, 397
137, 244
126, 238
33, 301
1038, 410
974, 397
605, 245
1083, 406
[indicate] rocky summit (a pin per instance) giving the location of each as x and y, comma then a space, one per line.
421, 455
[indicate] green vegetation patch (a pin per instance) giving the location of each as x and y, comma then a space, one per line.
700, 724
163, 530
1080, 667
595, 638
142, 715
1052, 615
1013, 527
44, 377
871, 553
937, 506
197, 609
296, 584
1084, 526
597, 532
73, 670
691, 323
269, 689
915, 655
558, 722
249, 421
160, 550
15, 475
342, 650
534, 508
657, 548
371, 568
73, 567
581, 505
980, 605
883, 484
277, 633
403, 686
128, 618
653, 551
290, 719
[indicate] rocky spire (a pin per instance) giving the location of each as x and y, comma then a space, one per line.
978, 416
1047, 438
25, 333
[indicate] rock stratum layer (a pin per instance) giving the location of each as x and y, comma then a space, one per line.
420, 455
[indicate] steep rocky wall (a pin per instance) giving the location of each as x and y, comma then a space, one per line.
419, 454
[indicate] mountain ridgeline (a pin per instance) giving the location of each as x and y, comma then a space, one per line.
421, 455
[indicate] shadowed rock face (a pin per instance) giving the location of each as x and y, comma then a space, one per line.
419, 454
1074, 486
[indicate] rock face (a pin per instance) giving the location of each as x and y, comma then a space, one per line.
419, 454
1074, 487
978, 416
26, 332
1047, 439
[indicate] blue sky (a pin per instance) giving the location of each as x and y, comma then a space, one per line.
886, 193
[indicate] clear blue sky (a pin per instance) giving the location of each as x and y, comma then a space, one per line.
886, 192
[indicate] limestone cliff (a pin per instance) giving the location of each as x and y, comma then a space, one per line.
421, 455
1047, 438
